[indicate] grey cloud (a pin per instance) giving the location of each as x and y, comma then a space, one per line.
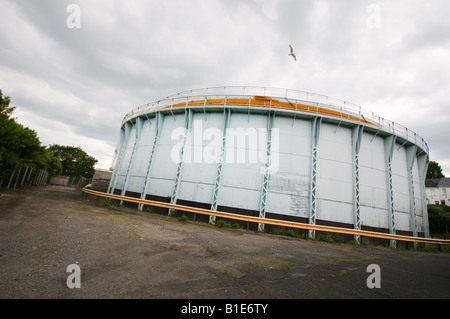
128, 53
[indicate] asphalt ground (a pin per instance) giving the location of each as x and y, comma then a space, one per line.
123, 253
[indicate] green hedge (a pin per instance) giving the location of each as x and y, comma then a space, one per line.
439, 219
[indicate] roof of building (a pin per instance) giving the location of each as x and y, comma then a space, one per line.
438, 182
432, 182
444, 182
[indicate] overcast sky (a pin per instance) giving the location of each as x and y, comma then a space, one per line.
74, 74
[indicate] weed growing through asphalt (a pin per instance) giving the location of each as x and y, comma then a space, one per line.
224, 224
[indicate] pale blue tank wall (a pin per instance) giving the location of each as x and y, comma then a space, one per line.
352, 180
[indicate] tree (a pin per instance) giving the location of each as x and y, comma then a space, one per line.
6, 162
17, 143
434, 170
5, 109
21, 145
75, 161
439, 218
46, 160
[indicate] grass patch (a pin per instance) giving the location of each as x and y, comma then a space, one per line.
342, 273
329, 238
110, 201
288, 233
364, 242
431, 248
148, 209
224, 224
173, 212
270, 262
231, 272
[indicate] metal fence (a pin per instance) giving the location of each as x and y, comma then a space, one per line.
71, 181
78, 181
25, 176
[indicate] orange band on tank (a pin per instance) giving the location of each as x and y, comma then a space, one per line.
263, 101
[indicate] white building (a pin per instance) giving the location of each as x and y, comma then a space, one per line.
438, 191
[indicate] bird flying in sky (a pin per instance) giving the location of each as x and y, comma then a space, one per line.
292, 52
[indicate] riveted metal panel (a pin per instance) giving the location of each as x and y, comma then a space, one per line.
372, 152
335, 143
165, 162
240, 198
373, 186
288, 190
335, 174
416, 181
335, 211
334, 182
374, 217
417, 197
423, 161
400, 187
294, 136
196, 192
201, 157
373, 182
244, 157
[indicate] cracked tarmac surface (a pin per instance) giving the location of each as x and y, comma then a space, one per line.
124, 253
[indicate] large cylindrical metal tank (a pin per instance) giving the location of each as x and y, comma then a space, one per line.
275, 153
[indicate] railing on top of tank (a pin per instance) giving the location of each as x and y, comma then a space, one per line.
292, 96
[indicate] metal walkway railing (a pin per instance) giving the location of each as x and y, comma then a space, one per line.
269, 221
202, 97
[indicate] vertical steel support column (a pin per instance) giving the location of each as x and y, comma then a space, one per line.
423, 161
158, 125
389, 143
265, 171
176, 185
124, 134
139, 125
313, 183
410, 158
226, 120
357, 137
117, 151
